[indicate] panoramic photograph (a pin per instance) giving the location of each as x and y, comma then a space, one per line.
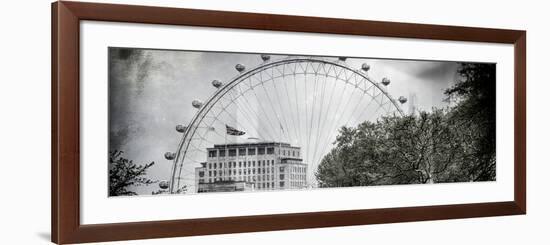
195, 122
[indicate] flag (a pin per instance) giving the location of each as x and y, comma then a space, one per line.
233, 131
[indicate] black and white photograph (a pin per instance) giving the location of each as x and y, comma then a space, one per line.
192, 122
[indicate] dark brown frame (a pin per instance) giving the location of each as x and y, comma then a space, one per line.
65, 181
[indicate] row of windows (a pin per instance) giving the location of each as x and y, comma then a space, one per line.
241, 164
297, 177
262, 185
234, 172
242, 178
251, 152
296, 184
241, 152
251, 171
297, 169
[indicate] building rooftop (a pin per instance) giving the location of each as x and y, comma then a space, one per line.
259, 144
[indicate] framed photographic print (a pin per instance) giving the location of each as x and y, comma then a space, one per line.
177, 122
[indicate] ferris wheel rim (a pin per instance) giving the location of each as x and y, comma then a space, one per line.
242, 76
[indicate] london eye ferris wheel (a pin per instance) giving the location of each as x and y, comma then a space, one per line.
299, 100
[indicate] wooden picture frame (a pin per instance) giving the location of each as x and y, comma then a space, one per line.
65, 169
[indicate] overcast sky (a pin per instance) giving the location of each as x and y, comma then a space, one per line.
151, 92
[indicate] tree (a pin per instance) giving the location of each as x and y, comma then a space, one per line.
123, 173
475, 113
395, 150
445, 145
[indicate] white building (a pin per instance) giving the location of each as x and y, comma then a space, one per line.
254, 166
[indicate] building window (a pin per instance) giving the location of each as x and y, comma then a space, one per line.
272, 162
232, 152
293, 153
240, 164
281, 176
281, 184
270, 150
251, 151
242, 151
253, 163
209, 173
261, 151
281, 169
201, 174
222, 153
212, 153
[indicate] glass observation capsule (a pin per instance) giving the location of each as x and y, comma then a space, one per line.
265, 57
402, 99
169, 156
181, 128
385, 81
240, 67
365, 67
164, 184
197, 104
217, 84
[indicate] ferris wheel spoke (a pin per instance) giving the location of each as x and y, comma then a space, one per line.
272, 106
285, 83
322, 123
341, 115
276, 91
321, 109
324, 142
262, 109
237, 122
248, 113
299, 131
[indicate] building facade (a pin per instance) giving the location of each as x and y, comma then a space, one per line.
251, 166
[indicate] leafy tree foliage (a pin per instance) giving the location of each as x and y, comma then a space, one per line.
475, 112
456, 144
123, 174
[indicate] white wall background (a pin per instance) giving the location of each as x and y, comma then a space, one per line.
25, 123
